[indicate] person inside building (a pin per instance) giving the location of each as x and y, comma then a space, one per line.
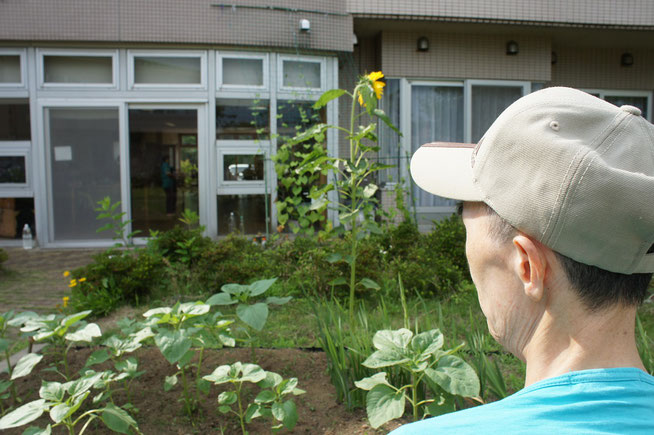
558, 208
168, 183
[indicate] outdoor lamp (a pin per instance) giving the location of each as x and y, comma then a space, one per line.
423, 44
627, 59
512, 48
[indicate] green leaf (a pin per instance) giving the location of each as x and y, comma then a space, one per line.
117, 419
381, 115
4, 344
194, 309
253, 315
427, 342
259, 287
4, 386
289, 414
33, 430
221, 299
368, 283
270, 381
59, 412
252, 373
83, 384
97, 357
444, 406
338, 281
86, 333
220, 375
235, 289
266, 396
278, 301
319, 203
385, 358
204, 386
369, 190
224, 409
387, 339
24, 414
384, 404
227, 398
455, 376
172, 344
170, 382
156, 311
25, 365
334, 257
327, 97
253, 411
371, 382
52, 391
74, 318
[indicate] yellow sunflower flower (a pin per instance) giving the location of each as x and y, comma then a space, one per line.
73, 283
67, 274
377, 85
65, 299
81, 280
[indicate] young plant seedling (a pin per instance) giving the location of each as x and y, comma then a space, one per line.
421, 357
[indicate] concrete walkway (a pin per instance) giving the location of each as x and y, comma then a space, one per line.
33, 279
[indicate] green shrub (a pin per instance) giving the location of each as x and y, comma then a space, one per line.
116, 278
180, 244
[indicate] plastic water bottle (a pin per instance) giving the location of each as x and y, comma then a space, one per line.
241, 227
27, 237
231, 223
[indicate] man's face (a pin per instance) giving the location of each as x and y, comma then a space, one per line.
499, 289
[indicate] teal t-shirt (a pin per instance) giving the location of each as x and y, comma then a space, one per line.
599, 401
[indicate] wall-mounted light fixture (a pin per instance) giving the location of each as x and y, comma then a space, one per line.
512, 48
305, 25
423, 44
627, 59
555, 58
355, 40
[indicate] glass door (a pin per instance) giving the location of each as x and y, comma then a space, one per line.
163, 164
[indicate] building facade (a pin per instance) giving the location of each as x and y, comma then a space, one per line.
167, 105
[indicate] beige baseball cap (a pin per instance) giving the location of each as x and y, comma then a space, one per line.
569, 169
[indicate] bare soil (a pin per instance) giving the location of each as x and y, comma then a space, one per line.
162, 413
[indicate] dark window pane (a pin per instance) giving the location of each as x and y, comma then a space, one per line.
640, 102
240, 167
78, 69
245, 213
296, 116
14, 120
14, 214
12, 169
242, 119
9, 69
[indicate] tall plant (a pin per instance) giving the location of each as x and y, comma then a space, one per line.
353, 179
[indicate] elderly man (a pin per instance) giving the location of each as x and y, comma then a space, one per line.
559, 214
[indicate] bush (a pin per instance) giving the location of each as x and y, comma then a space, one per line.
180, 245
116, 278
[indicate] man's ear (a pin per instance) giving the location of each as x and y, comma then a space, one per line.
530, 265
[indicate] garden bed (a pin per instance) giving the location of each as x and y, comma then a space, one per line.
161, 413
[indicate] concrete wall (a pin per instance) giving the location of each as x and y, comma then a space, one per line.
179, 22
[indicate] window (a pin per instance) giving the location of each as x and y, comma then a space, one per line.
246, 213
242, 71
640, 99
66, 68
13, 170
14, 214
242, 167
242, 119
10, 71
14, 119
301, 73
156, 69
487, 103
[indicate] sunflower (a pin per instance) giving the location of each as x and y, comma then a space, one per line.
377, 85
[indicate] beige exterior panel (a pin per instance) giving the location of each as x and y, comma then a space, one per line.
465, 56
554, 12
238, 22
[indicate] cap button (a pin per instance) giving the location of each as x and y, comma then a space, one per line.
631, 109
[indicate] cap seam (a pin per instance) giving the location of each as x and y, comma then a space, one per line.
565, 186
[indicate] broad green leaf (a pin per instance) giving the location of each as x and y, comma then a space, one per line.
270, 381
253, 411
371, 382
185, 359
4, 344
385, 358
4, 385
25, 365
220, 375
203, 386
287, 386
338, 281
252, 373
33, 430
381, 115
192, 309
83, 384
288, 413
266, 396
221, 299
235, 289
97, 357
117, 419
259, 287
444, 406
372, 227
327, 97
384, 404
427, 342
24, 414
172, 344
170, 382
334, 257
318, 204
155, 311
368, 283
74, 318
455, 376
224, 409
387, 339
87, 333
278, 301
369, 190
227, 398
253, 315
52, 391
59, 412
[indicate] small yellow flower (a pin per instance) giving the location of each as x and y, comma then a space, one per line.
377, 85
73, 283
67, 274
65, 299
81, 280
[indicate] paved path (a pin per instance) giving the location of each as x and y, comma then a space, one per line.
33, 280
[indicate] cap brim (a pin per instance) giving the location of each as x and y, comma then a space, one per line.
445, 169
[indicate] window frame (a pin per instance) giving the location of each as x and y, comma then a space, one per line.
307, 92
603, 93
41, 53
21, 53
132, 54
242, 187
264, 57
18, 149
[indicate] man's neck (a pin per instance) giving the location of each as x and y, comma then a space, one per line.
581, 341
